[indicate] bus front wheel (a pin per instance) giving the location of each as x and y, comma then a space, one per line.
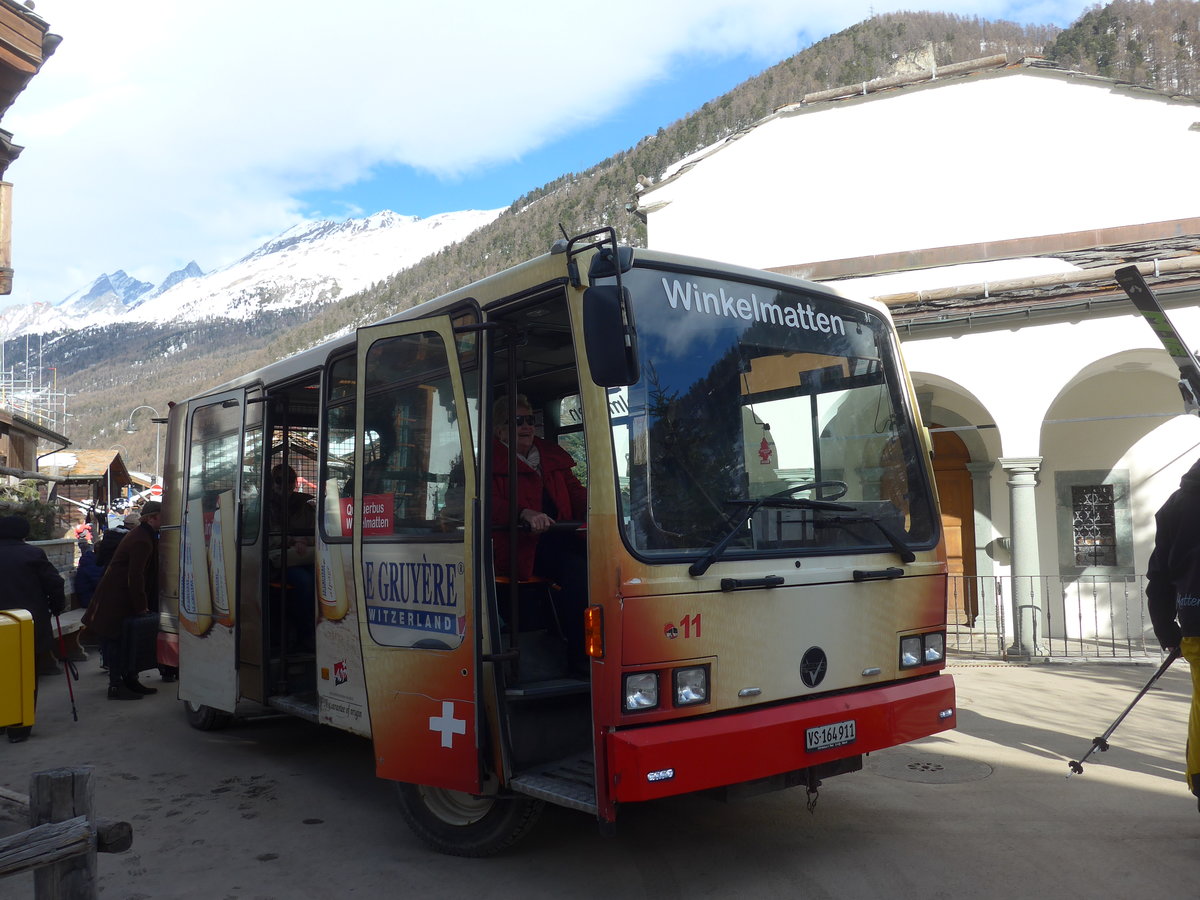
462, 824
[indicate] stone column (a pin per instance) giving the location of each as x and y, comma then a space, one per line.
1028, 615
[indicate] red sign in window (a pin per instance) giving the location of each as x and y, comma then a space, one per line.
378, 514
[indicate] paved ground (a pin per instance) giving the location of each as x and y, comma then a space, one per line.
282, 809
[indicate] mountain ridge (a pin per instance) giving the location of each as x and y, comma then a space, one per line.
309, 263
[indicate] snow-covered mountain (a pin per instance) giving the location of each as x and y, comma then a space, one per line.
315, 262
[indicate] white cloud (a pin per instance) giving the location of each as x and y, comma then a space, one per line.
161, 131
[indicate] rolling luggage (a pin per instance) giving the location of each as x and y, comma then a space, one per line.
17, 675
139, 643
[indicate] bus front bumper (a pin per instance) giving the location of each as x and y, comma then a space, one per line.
689, 755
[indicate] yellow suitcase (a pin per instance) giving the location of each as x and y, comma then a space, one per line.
17, 677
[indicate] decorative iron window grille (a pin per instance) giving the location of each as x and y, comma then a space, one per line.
1093, 525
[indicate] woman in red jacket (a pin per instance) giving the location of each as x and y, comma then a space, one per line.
547, 492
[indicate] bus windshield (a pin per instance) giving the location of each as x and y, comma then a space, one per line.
766, 422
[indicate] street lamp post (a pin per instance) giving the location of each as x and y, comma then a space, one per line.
158, 422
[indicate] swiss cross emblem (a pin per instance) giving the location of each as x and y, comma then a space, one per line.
447, 725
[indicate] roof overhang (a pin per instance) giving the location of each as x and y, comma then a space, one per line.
28, 426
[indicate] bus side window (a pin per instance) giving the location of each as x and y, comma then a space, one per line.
214, 457
252, 459
336, 479
570, 434
409, 470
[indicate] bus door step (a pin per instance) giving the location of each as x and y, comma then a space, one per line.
553, 687
568, 782
303, 706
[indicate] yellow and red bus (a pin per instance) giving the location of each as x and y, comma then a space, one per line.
761, 553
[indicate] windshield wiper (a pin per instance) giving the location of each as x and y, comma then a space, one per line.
781, 500
893, 537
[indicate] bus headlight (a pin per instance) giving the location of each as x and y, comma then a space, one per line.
935, 647
641, 691
691, 685
922, 649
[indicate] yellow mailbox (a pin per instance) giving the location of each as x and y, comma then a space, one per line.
17, 677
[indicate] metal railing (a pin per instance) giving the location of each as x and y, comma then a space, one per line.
1088, 617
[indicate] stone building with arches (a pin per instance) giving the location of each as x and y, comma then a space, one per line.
988, 205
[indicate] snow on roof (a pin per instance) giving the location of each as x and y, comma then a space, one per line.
952, 276
62, 459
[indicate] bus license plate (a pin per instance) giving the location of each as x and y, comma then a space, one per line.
835, 734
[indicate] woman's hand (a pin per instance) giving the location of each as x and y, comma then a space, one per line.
537, 521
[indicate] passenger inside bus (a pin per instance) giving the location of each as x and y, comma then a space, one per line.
293, 523
547, 492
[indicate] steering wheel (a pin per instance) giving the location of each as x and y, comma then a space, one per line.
840, 486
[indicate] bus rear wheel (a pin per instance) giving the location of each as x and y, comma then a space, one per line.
462, 824
205, 718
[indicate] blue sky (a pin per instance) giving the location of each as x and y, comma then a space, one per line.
162, 132
496, 184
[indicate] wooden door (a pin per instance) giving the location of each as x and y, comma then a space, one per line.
950, 458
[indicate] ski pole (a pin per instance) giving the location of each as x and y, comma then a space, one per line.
1101, 743
68, 667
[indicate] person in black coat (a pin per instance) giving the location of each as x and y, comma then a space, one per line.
30, 582
1173, 595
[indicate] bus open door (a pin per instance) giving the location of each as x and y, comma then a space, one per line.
207, 536
415, 581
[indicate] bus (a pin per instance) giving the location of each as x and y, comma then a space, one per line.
760, 550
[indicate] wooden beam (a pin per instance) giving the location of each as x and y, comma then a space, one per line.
36, 476
45, 845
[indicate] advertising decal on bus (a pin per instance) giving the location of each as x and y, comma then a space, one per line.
331, 583
195, 599
411, 600
222, 555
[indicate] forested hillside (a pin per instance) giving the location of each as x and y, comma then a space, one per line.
110, 373
1146, 43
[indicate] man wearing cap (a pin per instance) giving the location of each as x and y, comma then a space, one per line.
129, 587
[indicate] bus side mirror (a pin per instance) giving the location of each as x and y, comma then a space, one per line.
609, 336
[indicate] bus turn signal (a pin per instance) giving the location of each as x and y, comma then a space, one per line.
593, 631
